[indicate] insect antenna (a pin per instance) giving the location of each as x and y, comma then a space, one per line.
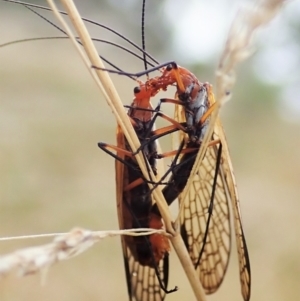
78, 41
94, 39
143, 36
27, 5
138, 74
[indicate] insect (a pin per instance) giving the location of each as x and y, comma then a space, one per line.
134, 198
205, 218
146, 259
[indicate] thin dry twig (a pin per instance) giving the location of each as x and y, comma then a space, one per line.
122, 118
36, 259
107, 88
238, 47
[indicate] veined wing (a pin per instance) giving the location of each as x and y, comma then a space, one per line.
142, 281
243, 256
194, 218
215, 256
195, 213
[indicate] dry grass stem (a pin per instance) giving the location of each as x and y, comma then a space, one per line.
112, 99
122, 118
65, 246
115, 103
237, 48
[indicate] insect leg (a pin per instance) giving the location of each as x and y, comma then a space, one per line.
105, 146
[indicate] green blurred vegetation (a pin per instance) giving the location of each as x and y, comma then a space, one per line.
53, 177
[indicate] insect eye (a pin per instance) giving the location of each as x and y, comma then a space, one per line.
137, 90
169, 67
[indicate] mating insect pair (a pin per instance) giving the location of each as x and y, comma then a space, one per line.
205, 214
205, 222
205, 218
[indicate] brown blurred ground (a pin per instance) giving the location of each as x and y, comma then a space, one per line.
53, 177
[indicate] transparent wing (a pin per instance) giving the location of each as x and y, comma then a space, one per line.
214, 260
194, 218
244, 261
142, 281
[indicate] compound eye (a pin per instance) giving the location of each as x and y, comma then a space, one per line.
137, 90
169, 67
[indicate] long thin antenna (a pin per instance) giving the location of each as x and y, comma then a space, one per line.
66, 37
143, 35
88, 21
78, 41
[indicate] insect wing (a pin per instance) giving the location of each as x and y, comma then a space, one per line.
194, 218
195, 213
243, 256
142, 282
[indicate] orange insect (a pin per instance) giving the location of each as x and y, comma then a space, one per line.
145, 258
205, 219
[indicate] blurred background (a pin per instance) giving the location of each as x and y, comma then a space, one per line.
53, 177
